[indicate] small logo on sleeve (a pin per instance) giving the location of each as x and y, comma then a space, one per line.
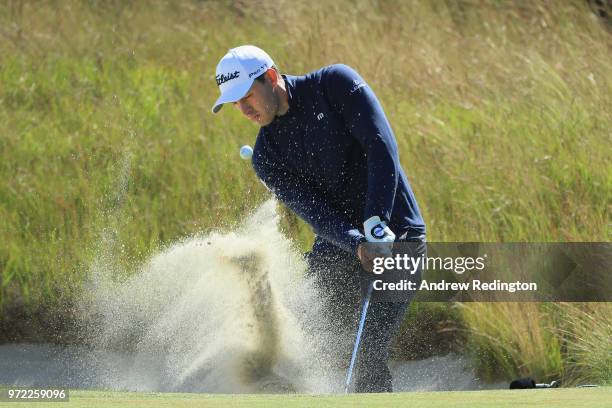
356, 85
320, 116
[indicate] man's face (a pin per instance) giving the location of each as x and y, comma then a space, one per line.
260, 104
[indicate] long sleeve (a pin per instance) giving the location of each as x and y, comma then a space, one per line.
351, 97
306, 203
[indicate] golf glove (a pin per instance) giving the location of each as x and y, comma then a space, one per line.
377, 231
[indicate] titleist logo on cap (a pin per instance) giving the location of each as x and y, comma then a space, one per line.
223, 78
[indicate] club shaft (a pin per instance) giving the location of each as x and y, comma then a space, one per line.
364, 311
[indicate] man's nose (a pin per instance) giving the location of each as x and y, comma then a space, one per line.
244, 107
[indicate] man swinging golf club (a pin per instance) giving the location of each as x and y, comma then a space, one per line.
326, 149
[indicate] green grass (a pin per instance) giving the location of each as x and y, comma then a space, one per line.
561, 398
581, 329
108, 150
514, 340
567, 341
502, 115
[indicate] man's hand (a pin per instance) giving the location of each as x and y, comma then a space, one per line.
379, 243
368, 251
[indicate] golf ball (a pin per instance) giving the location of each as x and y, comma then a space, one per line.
246, 152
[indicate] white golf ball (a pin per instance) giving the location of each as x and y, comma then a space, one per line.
246, 152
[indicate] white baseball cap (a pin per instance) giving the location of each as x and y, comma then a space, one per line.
236, 72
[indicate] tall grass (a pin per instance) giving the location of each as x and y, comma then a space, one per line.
107, 145
566, 341
513, 340
586, 330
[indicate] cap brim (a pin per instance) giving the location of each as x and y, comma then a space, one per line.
232, 95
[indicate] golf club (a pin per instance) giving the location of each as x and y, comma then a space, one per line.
364, 311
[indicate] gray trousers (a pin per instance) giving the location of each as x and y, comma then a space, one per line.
341, 280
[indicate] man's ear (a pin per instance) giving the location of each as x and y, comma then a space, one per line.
273, 76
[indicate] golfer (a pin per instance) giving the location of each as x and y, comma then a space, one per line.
325, 148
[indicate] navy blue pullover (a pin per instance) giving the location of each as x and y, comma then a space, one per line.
332, 159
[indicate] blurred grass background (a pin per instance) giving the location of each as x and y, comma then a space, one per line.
107, 144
